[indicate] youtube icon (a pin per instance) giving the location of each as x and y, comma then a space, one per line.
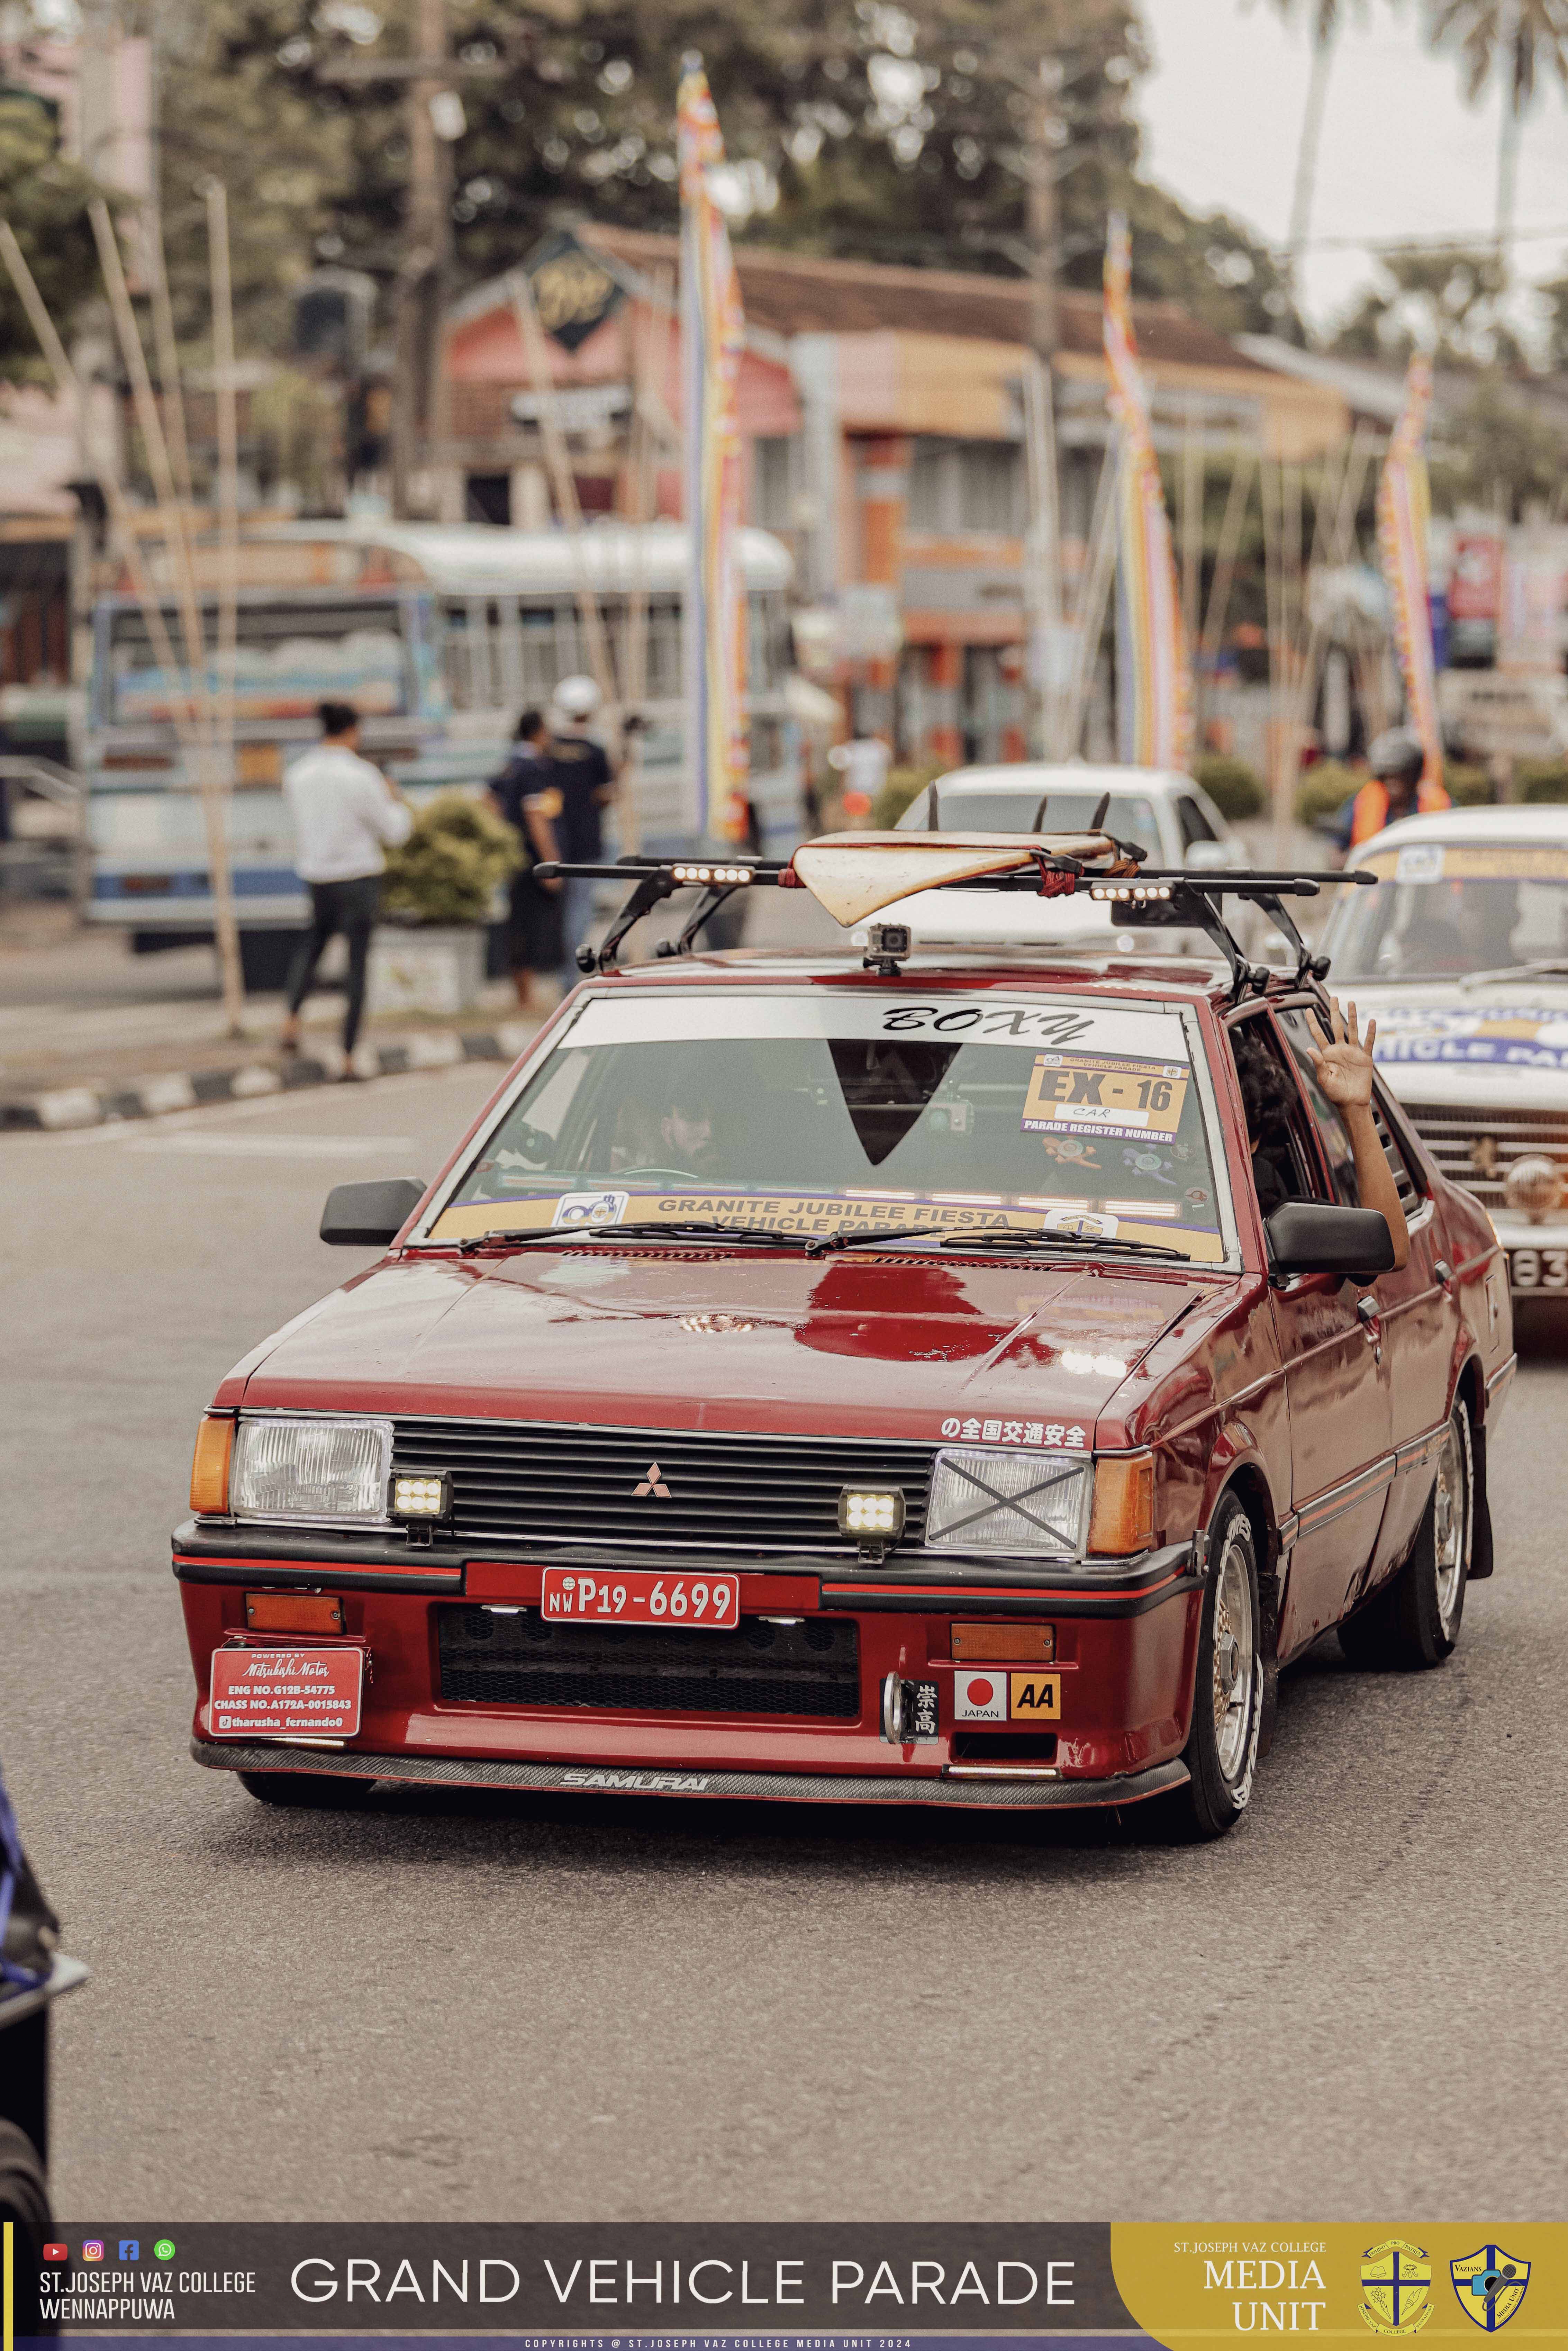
56, 2253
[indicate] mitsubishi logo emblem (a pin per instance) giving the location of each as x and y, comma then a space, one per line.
652, 1484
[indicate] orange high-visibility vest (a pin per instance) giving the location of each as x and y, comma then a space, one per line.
1370, 813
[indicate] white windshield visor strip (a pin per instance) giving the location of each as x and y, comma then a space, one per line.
700, 1016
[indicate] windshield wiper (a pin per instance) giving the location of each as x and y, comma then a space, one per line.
829, 1244
1543, 968
988, 1237
650, 1229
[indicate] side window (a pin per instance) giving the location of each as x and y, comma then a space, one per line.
1285, 1162
1297, 1031
1195, 825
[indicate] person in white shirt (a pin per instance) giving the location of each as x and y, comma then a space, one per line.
864, 763
346, 814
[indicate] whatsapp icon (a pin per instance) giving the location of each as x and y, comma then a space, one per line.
163, 2250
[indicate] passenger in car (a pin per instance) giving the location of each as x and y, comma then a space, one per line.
1343, 1065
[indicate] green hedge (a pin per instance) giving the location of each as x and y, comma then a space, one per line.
901, 788
1324, 791
1236, 790
1467, 786
448, 868
1538, 780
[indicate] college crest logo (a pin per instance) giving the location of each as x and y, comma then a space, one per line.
1491, 2285
1396, 2288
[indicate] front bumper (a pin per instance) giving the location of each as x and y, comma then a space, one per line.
988, 1790
1123, 1657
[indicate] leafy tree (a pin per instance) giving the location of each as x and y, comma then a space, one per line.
1480, 31
45, 198
1449, 303
1498, 452
890, 133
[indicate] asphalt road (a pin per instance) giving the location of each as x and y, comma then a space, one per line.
495, 2008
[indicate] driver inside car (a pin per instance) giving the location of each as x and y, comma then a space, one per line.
677, 1140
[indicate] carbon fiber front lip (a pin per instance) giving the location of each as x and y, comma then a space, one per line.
766, 1787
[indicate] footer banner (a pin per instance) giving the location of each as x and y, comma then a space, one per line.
795, 2286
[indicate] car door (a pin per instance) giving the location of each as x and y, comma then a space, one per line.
1416, 1314
1337, 1386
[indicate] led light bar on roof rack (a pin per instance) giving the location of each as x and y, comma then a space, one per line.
853, 875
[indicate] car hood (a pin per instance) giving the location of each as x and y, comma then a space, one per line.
1440, 1042
911, 1347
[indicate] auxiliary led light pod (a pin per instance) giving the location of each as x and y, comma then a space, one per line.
1134, 893
874, 1514
725, 876
421, 1496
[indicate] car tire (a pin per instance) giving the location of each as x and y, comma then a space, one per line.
1413, 1622
1221, 1751
24, 2202
303, 1790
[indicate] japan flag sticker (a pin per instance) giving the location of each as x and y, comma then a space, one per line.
979, 1697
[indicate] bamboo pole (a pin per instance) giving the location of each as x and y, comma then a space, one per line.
168, 352
1194, 474
120, 519
1227, 546
221, 276
1099, 572
224, 923
559, 464
1044, 574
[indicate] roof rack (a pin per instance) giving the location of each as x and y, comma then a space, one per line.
853, 875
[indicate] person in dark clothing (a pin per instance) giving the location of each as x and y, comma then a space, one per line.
526, 794
1270, 1101
582, 774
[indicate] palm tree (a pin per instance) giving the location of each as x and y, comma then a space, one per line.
1524, 40
1327, 17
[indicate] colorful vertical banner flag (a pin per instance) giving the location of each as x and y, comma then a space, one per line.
1154, 702
1403, 511
713, 340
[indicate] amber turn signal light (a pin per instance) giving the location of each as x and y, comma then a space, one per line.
1004, 1645
293, 1612
1122, 1519
210, 1468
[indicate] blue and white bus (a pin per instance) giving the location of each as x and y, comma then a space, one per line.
438, 636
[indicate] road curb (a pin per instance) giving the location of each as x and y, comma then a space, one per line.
175, 1090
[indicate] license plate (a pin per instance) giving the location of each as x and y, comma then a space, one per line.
637, 1595
1533, 1270
286, 1693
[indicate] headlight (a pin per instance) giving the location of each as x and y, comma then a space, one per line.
1534, 1188
324, 1469
997, 1500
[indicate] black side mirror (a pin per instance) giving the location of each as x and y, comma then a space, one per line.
1313, 1236
369, 1215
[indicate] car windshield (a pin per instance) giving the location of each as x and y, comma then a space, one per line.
848, 1111
1446, 908
1011, 808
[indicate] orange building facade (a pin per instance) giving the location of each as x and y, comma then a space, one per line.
883, 415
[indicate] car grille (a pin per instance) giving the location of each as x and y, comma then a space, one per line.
546, 1485
810, 1668
1477, 1147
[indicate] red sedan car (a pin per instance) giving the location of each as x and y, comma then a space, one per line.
961, 1381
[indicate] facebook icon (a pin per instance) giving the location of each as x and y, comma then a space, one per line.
131, 2248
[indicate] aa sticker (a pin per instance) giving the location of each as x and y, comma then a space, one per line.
1088, 1093
1035, 1697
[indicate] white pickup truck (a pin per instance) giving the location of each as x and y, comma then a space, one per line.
1462, 957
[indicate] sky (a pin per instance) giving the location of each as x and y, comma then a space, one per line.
1402, 155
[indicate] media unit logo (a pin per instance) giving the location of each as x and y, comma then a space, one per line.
1490, 2284
1396, 2288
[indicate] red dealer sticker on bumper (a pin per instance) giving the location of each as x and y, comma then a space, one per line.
286, 1693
